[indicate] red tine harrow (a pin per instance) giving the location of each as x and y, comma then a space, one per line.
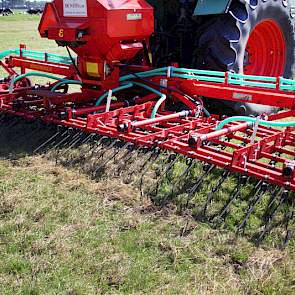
150, 149
152, 127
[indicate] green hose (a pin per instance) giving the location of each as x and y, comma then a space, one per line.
131, 84
37, 55
36, 74
254, 120
9, 52
120, 88
66, 82
216, 76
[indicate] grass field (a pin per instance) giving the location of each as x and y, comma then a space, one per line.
62, 233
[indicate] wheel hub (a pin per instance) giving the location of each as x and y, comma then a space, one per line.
265, 52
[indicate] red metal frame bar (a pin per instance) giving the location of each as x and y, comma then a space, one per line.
263, 96
43, 66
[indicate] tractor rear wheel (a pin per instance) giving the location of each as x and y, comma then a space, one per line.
256, 37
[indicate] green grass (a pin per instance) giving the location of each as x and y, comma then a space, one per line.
62, 233
23, 29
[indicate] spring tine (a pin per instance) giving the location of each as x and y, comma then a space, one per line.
225, 210
79, 140
199, 181
103, 147
72, 143
109, 159
62, 141
63, 146
61, 135
97, 143
153, 157
60, 145
48, 141
149, 154
121, 152
75, 139
107, 148
190, 164
289, 222
158, 170
97, 148
164, 172
289, 236
83, 157
99, 153
256, 199
169, 166
129, 149
258, 185
268, 226
235, 194
65, 155
125, 160
271, 203
290, 232
150, 161
88, 138
91, 140
215, 189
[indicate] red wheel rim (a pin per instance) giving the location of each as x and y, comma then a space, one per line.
266, 50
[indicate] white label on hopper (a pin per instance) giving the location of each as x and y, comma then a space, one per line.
75, 8
134, 16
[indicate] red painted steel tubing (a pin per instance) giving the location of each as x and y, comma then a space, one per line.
90, 110
224, 131
116, 105
162, 119
132, 125
196, 140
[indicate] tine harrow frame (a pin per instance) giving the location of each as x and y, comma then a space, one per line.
270, 158
136, 129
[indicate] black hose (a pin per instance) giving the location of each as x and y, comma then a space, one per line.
73, 62
206, 113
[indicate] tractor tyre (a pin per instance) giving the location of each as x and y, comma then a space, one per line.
255, 37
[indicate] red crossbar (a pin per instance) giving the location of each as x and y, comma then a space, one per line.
263, 96
42, 66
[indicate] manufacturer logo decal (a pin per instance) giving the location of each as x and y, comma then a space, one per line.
75, 8
242, 96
